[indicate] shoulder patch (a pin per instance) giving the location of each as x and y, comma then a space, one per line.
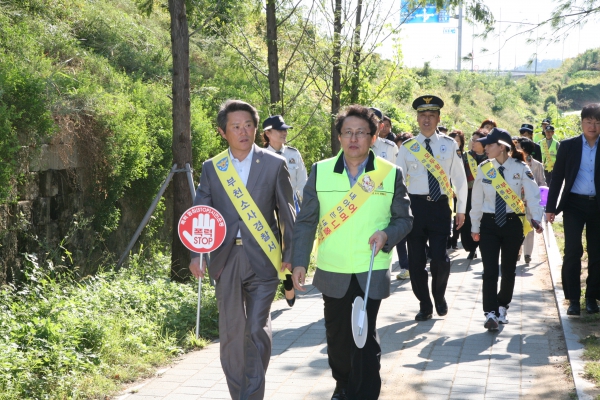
485, 162
293, 148
529, 175
388, 142
448, 138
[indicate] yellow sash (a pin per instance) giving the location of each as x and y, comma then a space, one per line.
248, 210
472, 165
549, 162
423, 156
505, 191
357, 196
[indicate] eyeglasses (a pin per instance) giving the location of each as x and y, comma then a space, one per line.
357, 134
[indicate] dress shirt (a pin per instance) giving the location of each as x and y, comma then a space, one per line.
520, 179
296, 167
584, 182
445, 150
361, 168
385, 149
243, 170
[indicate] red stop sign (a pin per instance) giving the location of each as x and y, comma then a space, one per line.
202, 229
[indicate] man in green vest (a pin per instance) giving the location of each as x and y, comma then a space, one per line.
352, 201
549, 148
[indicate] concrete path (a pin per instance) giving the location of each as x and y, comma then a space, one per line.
451, 357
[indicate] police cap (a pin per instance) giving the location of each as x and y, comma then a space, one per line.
428, 103
275, 122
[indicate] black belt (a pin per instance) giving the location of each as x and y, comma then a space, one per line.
238, 242
583, 196
508, 215
428, 197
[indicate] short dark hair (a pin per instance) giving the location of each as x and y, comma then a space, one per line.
591, 111
388, 119
458, 134
481, 133
403, 137
358, 111
490, 122
526, 144
232, 106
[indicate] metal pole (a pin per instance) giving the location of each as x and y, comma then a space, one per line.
459, 55
199, 300
188, 170
142, 225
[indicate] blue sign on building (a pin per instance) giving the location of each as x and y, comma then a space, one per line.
423, 15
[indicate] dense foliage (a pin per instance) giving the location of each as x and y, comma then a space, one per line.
77, 340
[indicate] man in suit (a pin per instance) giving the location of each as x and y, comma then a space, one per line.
347, 230
246, 278
577, 165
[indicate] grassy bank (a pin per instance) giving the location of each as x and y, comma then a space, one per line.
63, 339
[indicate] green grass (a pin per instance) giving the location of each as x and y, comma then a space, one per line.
592, 355
63, 339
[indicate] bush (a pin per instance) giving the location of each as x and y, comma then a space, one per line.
78, 340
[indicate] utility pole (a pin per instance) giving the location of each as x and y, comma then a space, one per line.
459, 55
499, 40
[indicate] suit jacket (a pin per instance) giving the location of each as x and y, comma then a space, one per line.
333, 284
566, 168
270, 187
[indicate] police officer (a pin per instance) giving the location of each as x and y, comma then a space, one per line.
383, 147
274, 136
496, 225
526, 130
549, 148
430, 204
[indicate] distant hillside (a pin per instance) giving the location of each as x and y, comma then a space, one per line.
542, 65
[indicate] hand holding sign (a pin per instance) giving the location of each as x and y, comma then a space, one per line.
203, 232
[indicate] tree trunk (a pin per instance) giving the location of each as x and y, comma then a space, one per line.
182, 141
273, 59
336, 78
355, 81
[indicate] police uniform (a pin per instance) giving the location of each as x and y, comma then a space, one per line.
505, 240
432, 219
385, 149
296, 167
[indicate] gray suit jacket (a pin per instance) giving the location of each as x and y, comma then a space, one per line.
270, 187
333, 284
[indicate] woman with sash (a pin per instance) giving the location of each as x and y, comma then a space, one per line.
459, 137
537, 168
498, 219
471, 160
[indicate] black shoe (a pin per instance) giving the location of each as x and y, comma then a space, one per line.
288, 285
574, 308
591, 306
421, 316
441, 308
527, 259
339, 394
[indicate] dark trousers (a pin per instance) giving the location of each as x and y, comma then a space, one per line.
548, 176
580, 212
465, 232
494, 242
431, 222
402, 253
453, 240
355, 369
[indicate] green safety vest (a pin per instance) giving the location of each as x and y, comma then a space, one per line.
347, 250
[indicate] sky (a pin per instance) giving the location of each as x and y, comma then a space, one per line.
437, 43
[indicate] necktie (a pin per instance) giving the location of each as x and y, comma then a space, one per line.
500, 205
434, 187
278, 152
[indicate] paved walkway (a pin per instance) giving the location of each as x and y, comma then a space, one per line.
452, 357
